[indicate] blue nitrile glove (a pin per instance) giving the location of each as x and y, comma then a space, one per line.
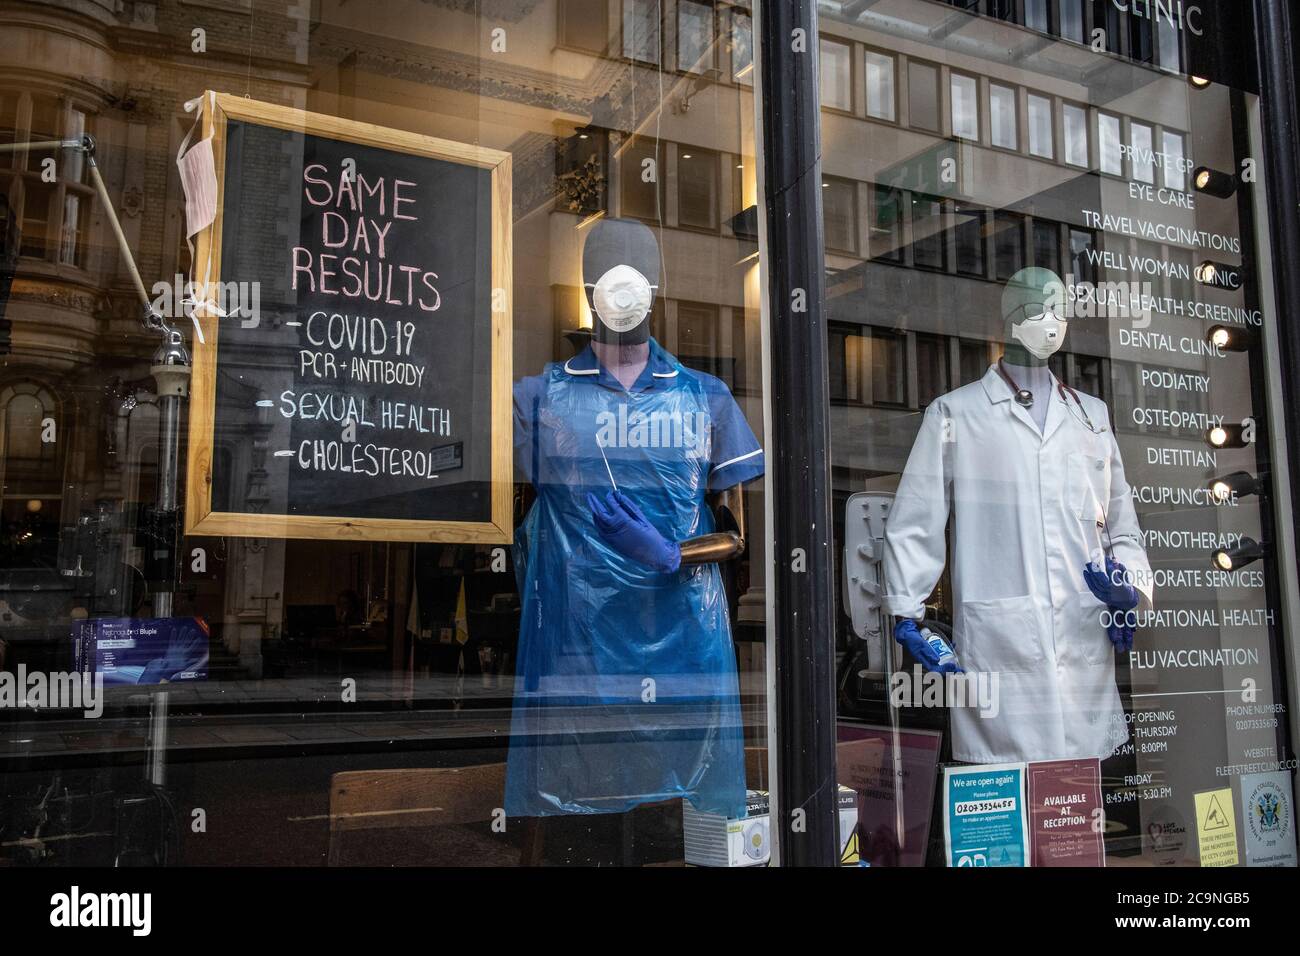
908, 633
187, 649
625, 529
1109, 588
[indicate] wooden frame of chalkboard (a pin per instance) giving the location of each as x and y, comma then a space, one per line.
219, 110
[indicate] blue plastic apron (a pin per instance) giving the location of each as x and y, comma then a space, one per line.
626, 688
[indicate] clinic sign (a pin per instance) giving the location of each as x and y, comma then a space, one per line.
1180, 16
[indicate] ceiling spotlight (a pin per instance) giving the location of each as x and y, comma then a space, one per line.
1240, 484
1200, 82
1246, 552
1218, 274
1232, 339
1227, 436
1212, 182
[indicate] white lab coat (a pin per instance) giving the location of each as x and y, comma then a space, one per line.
1027, 510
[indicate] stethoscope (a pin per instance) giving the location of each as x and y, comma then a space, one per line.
1025, 399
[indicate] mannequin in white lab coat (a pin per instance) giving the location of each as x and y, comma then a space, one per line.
1031, 475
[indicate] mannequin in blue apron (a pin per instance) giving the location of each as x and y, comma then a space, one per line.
626, 689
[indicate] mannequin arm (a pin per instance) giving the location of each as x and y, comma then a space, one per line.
727, 542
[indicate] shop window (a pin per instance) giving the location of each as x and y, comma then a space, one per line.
697, 187
641, 30
1040, 126
580, 173
1008, 244
1047, 245
1141, 147
840, 211
1003, 122
584, 25
1038, 15
696, 36
1074, 122
740, 34
886, 230
964, 94
923, 95
836, 74
1083, 255
968, 234
640, 177
929, 250
1109, 152
881, 95
1174, 159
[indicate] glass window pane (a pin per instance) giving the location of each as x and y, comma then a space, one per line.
697, 187
880, 86
968, 232
1109, 144
1008, 244
1047, 245
1075, 123
929, 250
836, 68
641, 30
965, 109
1141, 152
1003, 122
886, 223
742, 47
1072, 20
1040, 126
1174, 161
584, 24
1037, 15
923, 95
840, 210
695, 40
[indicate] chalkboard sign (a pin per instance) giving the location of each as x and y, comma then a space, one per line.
352, 380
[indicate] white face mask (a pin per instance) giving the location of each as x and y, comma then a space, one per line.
1042, 336
622, 298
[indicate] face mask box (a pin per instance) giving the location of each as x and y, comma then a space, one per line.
714, 840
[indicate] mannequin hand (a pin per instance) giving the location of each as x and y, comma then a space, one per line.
908, 633
625, 529
1108, 586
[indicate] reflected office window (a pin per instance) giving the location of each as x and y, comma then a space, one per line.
741, 37
1083, 255
8, 124
929, 250
923, 95
641, 161
37, 197
964, 94
1074, 122
1175, 164
1038, 15
1110, 156
1072, 20
881, 97
1040, 126
1141, 146
697, 336
931, 368
968, 234
696, 33
641, 30
973, 360
888, 367
1003, 123
840, 213
697, 187
1001, 9
1008, 244
836, 76
886, 223
584, 25
1142, 39
1169, 45
1047, 245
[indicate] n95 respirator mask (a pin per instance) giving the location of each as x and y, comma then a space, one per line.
621, 298
1041, 335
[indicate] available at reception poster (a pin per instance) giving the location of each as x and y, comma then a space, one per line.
1268, 819
984, 820
1066, 819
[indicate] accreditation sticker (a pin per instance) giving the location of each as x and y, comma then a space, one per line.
1216, 827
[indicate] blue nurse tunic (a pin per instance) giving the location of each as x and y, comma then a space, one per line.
626, 689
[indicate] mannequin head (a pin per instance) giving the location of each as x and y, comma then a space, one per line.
1033, 316
620, 272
